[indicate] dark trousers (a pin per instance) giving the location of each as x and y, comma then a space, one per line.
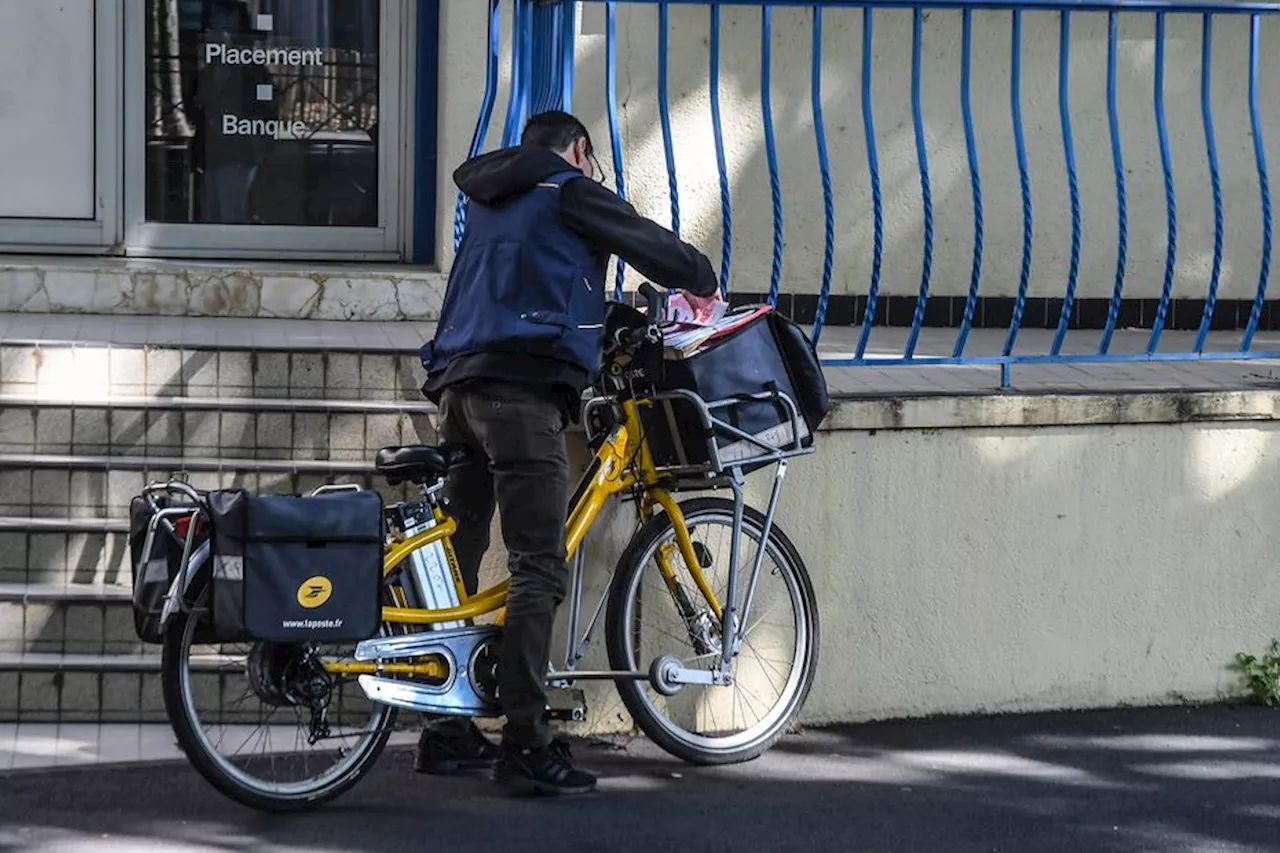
519, 466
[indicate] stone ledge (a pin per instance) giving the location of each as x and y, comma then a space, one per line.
192, 289
1044, 410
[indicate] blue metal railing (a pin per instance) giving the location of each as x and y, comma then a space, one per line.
541, 72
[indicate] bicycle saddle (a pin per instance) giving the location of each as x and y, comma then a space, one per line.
419, 463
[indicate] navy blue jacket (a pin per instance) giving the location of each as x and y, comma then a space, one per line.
523, 284
526, 295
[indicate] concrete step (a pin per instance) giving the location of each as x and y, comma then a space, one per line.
137, 662
46, 687
192, 463
80, 370
54, 687
107, 688
67, 593
94, 409
232, 427
57, 553
88, 495
88, 461
218, 403
20, 524
67, 619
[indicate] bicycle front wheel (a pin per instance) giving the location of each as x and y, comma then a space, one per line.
774, 670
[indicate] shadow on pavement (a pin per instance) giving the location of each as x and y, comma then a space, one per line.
1167, 779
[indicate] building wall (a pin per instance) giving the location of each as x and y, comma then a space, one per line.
462, 79
1117, 552
463, 37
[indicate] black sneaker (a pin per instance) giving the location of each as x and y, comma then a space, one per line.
541, 771
445, 752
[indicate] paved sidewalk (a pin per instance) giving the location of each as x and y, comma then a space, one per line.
1204, 779
43, 746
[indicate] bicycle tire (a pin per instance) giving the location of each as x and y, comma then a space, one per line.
175, 647
633, 562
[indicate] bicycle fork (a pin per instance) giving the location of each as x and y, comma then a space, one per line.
732, 622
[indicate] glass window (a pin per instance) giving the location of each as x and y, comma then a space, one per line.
262, 112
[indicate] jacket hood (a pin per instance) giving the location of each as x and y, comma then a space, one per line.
499, 175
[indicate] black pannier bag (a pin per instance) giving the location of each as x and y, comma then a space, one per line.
290, 569
767, 354
154, 571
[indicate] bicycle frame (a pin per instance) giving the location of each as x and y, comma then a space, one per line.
624, 462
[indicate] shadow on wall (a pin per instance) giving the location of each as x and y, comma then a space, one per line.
953, 221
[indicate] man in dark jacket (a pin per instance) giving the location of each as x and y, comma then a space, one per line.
519, 339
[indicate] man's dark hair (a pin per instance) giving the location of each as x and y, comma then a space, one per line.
555, 130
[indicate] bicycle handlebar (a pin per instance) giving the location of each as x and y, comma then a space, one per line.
654, 299
626, 339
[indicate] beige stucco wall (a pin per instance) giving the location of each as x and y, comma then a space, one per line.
1019, 570
976, 558
462, 83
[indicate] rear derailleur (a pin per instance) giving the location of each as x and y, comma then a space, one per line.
293, 676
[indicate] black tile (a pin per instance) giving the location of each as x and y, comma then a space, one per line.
841, 310
1151, 311
1226, 315
1053, 312
937, 312
1151, 308
785, 305
1033, 313
1130, 314
881, 317
900, 310
957, 312
805, 308
1243, 311
1091, 313
1187, 314
1244, 307
996, 312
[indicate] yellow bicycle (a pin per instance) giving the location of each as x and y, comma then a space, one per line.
713, 650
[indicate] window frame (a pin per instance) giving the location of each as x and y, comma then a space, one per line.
102, 232
386, 241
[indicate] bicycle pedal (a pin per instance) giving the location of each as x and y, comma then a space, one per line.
566, 704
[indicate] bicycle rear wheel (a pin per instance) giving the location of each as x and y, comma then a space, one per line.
242, 714
775, 667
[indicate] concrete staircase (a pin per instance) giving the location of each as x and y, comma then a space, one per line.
84, 426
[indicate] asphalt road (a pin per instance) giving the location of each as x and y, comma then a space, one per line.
1158, 780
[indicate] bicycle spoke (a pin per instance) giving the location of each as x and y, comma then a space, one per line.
271, 746
765, 672
775, 671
